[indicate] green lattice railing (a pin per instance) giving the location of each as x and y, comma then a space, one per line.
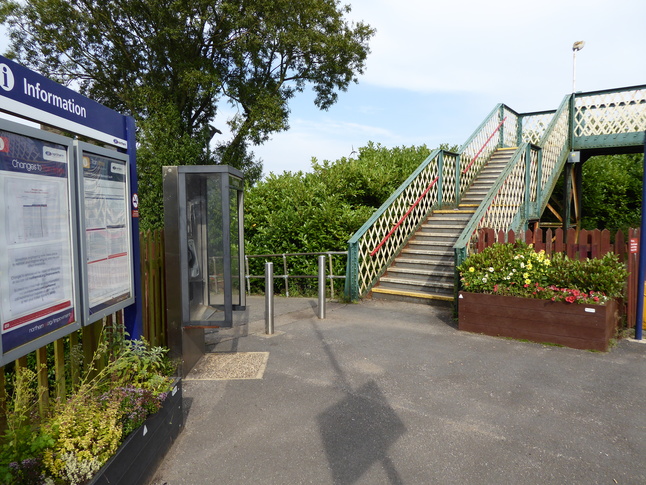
439, 181
595, 120
524, 186
583, 121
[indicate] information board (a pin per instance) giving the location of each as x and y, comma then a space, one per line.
37, 267
61, 268
106, 245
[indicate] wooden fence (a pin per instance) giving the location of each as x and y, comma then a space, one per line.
153, 284
54, 359
584, 244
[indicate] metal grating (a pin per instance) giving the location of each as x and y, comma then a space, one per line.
610, 112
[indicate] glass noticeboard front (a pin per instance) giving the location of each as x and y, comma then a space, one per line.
38, 299
106, 239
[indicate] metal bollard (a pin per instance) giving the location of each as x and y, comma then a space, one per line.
321, 308
269, 298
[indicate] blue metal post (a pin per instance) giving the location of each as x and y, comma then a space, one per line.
133, 315
641, 275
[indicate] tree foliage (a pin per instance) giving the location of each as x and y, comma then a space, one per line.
172, 64
612, 192
320, 210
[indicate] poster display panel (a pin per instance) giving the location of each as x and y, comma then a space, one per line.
106, 228
37, 283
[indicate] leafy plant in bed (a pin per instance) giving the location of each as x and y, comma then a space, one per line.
511, 290
126, 382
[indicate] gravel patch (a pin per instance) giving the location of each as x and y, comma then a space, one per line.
229, 365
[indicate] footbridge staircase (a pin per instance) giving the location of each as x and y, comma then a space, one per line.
501, 178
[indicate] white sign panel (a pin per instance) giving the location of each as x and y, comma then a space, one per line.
36, 261
107, 231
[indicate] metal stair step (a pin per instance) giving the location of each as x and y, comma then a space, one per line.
415, 285
426, 244
398, 271
409, 295
412, 263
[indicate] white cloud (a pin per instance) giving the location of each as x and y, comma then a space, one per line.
500, 45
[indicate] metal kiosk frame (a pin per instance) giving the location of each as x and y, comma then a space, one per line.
204, 250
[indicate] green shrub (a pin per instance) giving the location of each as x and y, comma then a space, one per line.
517, 270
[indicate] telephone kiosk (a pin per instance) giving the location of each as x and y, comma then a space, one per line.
204, 250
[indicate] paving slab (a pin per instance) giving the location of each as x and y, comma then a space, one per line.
384, 392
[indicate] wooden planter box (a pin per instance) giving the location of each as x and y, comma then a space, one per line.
139, 455
573, 325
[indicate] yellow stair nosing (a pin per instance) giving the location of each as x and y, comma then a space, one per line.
412, 294
508, 148
453, 211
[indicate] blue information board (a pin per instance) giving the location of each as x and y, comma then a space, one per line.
50, 264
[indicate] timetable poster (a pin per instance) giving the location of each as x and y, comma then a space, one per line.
107, 236
36, 268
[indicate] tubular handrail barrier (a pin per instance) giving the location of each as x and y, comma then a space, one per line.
329, 254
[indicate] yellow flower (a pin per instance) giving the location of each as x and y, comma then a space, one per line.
528, 281
471, 269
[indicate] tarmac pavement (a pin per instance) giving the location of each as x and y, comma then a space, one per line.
392, 393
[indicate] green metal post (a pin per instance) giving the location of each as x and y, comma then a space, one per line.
501, 136
571, 122
352, 272
528, 180
440, 170
539, 177
567, 194
460, 256
458, 190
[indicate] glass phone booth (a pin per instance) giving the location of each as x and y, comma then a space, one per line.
204, 249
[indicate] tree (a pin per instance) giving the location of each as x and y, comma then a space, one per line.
172, 63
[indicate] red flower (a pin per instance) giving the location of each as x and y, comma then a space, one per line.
570, 299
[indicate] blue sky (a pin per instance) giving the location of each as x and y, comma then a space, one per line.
438, 68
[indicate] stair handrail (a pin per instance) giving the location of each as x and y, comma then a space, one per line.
364, 270
396, 226
524, 185
472, 154
466, 169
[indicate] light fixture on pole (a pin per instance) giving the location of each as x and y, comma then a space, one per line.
577, 46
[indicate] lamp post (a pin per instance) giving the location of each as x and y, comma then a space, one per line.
577, 46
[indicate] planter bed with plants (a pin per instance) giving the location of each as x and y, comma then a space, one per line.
114, 428
139, 455
509, 290
544, 321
